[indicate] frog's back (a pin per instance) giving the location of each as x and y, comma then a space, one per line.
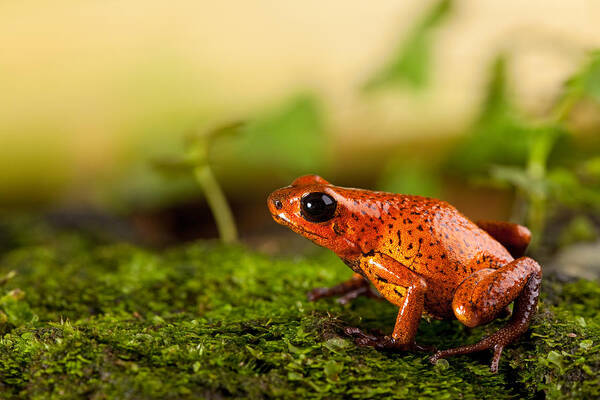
439, 243
434, 238
429, 236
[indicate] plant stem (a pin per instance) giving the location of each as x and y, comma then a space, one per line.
217, 203
538, 192
536, 166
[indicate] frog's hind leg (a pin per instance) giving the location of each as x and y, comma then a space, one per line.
514, 237
483, 295
347, 290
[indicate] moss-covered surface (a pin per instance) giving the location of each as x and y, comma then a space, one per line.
82, 320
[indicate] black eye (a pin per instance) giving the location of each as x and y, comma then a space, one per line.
318, 207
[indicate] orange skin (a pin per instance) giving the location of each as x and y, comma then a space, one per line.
422, 255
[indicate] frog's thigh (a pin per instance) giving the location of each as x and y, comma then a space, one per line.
401, 287
484, 294
514, 237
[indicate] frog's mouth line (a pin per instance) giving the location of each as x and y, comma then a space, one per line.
284, 221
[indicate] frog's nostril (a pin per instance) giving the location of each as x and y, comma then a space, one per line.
278, 204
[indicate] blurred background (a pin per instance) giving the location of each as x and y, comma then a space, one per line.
124, 117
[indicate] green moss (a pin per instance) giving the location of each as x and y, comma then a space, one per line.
209, 321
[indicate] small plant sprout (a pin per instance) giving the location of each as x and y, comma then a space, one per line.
196, 161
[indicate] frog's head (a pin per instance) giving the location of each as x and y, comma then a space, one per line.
313, 208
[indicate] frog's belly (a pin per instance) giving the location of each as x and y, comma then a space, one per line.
438, 299
439, 295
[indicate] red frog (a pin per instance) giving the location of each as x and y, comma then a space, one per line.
422, 255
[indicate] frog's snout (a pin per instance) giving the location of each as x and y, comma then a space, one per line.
274, 203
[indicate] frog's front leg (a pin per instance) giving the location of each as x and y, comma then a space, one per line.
483, 295
348, 290
403, 288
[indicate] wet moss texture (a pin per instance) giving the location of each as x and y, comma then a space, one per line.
100, 321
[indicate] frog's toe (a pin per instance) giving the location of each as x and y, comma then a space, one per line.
382, 342
366, 290
491, 342
496, 359
358, 333
436, 357
363, 339
424, 347
318, 293
379, 342
497, 348
348, 297
389, 343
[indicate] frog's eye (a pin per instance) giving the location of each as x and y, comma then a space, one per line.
317, 207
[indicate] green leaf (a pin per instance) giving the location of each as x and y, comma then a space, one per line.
442, 364
499, 135
16, 310
515, 176
591, 168
332, 369
569, 190
587, 81
586, 344
289, 139
297, 350
580, 229
336, 343
256, 353
497, 103
7, 277
411, 64
294, 376
592, 83
410, 176
556, 358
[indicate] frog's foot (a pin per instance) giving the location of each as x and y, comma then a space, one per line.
495, 342
348, 291
382, 342
523, 311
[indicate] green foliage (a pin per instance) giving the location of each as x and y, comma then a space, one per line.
591, 168
410, 176
14, 311
566, 353
574, 190
288, 140
500, 135
284, 142
511, 149
411, 64
580, 229
211, 321
587, 81
503, 146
